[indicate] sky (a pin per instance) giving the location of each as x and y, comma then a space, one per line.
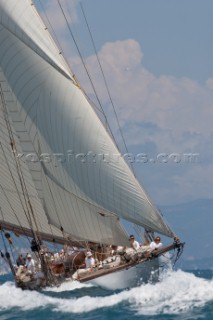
157, 61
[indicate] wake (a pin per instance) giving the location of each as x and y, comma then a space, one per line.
68, 286
177, 292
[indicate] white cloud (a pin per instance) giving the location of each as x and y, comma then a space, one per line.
176, 105
172, 114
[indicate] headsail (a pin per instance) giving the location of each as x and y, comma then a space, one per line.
84, 189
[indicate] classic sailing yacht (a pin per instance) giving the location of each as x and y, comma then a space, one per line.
55, 184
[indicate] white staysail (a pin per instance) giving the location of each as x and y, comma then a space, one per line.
83, 189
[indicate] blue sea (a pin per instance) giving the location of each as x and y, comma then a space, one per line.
179, 295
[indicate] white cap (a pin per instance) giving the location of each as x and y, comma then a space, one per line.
88, 254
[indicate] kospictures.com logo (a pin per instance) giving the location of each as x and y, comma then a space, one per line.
90, 156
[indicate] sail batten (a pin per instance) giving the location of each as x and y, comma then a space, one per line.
81, 182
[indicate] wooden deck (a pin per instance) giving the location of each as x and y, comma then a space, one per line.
96, 273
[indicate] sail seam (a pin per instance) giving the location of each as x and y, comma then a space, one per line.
48, 59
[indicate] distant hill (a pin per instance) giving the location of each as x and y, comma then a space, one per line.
193, 222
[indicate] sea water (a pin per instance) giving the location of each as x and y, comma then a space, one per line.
179, 295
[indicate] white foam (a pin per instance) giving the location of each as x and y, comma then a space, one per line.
69, 285
10, 297
178, 292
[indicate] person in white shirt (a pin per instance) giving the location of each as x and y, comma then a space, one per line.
89, 260
134, 244
30, 263
156, 244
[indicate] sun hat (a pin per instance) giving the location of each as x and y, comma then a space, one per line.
88, 254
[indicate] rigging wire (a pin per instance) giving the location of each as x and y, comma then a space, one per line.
104, 78
81, 57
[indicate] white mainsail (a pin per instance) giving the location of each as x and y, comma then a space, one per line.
80, 190
14, 206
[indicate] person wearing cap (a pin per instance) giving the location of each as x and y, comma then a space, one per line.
30, 263
134, 244
89, 260
156, 244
